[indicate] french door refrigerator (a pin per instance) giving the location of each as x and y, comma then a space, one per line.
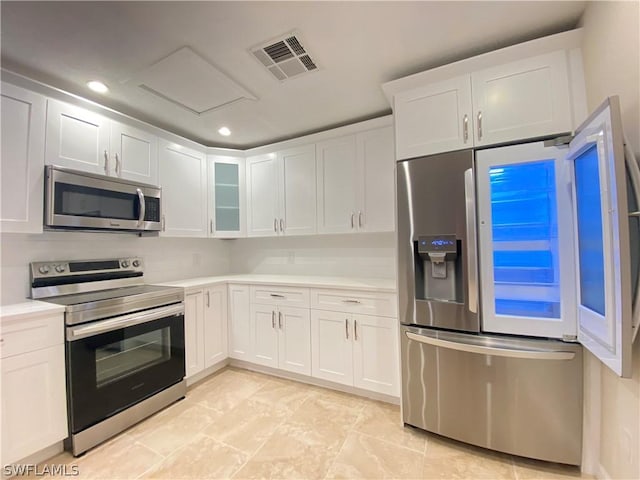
510, 259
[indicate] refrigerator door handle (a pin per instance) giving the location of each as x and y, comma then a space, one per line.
634, 174
472, 241
495, 351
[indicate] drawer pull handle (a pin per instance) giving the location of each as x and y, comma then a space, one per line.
351, 301
275, 295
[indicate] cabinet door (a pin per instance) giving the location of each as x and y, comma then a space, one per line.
298, 190
375, 354
239, 323
262, 196
294, 344
264, 335
77, 138
134, 154
183, 178
376, 181
524, 99
227, 197
434, 118
215, 325
193, 332
34, 405
22, 160
337, 180
331, 346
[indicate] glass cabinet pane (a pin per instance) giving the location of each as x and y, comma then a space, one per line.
227, 197
525, 239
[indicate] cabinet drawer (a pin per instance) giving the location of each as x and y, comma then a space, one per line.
291, 296
22, 336
354, 301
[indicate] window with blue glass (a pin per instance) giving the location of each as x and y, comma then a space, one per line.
525, 239
590, 235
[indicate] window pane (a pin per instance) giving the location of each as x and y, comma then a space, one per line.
525, 239
590, 240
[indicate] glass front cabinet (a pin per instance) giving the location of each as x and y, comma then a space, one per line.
226, 196
559, 239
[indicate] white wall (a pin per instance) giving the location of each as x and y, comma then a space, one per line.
612, 405
165, 258
367, 255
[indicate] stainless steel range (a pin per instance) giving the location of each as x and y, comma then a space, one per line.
125, 354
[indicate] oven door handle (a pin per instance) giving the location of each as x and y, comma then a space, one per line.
123, 321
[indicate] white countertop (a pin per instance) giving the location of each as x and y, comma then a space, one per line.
27, 309
344, 283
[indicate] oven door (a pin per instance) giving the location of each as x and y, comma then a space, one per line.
115, 363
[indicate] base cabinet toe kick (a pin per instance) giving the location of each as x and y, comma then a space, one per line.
522, 397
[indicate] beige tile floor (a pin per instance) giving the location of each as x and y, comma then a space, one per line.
240, 424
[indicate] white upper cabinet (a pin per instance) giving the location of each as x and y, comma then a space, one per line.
262, 195
523, 99
22, 157
376, 180
84, 140
434, 118
525, 91
337, 180
297, 192
77, 138
355, 177
134, 153
227, 197
281, 196
183, 177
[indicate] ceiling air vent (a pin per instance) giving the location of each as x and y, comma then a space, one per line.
285, 57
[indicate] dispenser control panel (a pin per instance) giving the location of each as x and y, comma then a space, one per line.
438, 243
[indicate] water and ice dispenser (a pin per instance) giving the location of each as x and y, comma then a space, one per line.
438, 268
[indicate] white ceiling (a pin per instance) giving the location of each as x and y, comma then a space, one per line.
357, 46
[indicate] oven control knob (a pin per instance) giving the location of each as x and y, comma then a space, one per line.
60, 268
136, 263
44, 269
125, 263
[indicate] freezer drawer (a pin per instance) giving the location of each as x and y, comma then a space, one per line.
517, 396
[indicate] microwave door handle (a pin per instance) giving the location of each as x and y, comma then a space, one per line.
143, 206
634, 174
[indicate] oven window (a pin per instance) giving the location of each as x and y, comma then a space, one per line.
129, 356
84, 201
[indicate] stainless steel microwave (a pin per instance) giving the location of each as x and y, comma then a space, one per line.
85, 201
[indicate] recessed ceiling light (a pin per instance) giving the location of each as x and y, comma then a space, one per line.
97, 86
224, 131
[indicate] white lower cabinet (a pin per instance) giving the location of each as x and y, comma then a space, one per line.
239, 323
34, 404
205, 328
356, 350
281, 337
193, 326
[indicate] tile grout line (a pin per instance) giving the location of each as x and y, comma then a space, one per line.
349, 431
251, 456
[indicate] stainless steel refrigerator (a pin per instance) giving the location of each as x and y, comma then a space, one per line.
509, 259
